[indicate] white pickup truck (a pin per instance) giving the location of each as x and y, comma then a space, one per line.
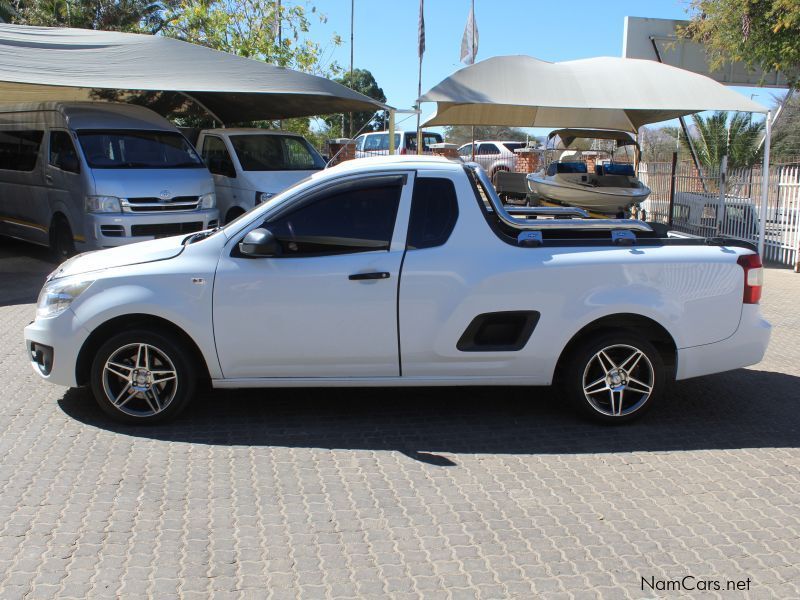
400, 271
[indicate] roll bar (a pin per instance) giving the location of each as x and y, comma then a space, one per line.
540, 224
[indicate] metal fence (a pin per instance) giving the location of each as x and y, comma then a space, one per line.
728, 203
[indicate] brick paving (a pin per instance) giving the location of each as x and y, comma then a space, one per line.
424, 493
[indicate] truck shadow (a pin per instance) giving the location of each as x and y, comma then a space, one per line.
740, 409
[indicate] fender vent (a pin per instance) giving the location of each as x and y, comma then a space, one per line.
506, 331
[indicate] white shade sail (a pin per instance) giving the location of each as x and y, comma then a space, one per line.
48, 63
605, 93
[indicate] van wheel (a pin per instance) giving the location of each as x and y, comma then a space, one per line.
62, 244
140, 376
232, 214
614, 377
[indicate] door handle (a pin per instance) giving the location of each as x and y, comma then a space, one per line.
363, 276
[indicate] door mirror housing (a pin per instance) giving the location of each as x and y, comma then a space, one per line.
260, 243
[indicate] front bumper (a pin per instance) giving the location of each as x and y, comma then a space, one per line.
744, 348
117, 229
61, 336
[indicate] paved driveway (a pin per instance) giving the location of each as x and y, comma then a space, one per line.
433, 493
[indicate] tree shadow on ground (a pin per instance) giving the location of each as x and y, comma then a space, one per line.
740, 409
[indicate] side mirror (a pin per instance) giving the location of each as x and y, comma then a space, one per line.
259, 243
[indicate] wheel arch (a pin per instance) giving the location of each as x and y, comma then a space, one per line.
83, 364
652, 331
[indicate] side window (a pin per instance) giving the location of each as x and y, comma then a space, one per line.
341, 222
19, 149
297, 154
466, 150
434, 211
487, 149
216, 156
360, 142
62, 152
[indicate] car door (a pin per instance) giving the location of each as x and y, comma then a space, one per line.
219, 162
326, 306
486, 155
64, 185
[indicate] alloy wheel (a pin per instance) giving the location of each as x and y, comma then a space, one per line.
618, 380
140, 380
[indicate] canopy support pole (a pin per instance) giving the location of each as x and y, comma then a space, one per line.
204, 107
391, 131
762, 217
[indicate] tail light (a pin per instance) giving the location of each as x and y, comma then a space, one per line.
753, 277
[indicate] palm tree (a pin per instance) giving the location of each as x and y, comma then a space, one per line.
736, 136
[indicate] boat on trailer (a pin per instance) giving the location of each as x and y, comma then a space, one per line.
611, 187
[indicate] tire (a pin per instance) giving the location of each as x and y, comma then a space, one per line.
62, 244
158, 364
625, 362
232, 214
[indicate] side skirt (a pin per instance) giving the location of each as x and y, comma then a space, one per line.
282, 382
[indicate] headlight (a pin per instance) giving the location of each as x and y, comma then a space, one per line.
208, 200
263, 196
57, 296
103, 204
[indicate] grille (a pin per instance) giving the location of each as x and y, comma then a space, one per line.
165, 229
178, 203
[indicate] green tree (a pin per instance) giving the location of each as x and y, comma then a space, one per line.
720, 134
786, 132
761, 33
363, 82
462, 134
140, 16
255, 29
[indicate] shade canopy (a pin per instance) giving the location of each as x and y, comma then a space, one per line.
605, 92
568, 136
48, 63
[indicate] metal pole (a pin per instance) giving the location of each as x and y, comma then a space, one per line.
419, 112
391, 131
762, 217
672, 182
280, 41
352, 22
723, 176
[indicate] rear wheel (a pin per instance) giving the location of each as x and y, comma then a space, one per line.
140, 376
62, 244
614, 377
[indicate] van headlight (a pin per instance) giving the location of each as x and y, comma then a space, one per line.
58, 295
208, 200
263, 196
103, 204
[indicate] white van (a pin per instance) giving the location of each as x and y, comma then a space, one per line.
78, 176
252, 165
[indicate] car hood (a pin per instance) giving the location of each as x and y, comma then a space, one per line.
131, 254
274, 182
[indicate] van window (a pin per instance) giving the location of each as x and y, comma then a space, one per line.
19, 149
62, 152
137, 149
427, 140
377, 142
276, 153
216, 156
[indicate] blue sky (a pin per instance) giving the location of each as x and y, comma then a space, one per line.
554, 30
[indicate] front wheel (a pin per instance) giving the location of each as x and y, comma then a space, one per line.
62, 244
140, 376
614, 377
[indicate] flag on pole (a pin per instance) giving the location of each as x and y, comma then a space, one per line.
421, 32
469, 43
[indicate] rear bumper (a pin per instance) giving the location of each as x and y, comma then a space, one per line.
745, 347
117, 229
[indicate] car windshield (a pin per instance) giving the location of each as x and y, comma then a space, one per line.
137, 149
515, 145
276, 153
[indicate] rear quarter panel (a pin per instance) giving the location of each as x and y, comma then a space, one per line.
694, 292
